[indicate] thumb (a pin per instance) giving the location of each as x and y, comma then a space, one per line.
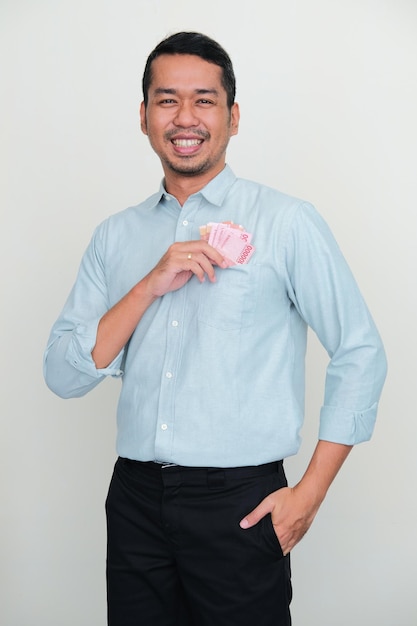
265, 507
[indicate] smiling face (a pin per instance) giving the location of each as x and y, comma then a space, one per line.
187, 119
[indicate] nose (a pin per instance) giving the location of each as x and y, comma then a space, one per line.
185, 116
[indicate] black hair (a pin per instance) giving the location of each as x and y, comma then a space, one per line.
199, 45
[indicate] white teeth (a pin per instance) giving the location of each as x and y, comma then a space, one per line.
186, 143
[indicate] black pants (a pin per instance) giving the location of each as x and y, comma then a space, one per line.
177, 555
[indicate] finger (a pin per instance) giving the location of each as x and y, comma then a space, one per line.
205, 248
216, 257
265, 507
201, 264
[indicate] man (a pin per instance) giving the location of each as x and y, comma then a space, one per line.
210, 345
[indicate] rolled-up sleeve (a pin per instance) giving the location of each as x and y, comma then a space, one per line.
345, 426
327, 297
69, 369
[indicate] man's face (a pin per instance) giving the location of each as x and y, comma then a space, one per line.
187, 119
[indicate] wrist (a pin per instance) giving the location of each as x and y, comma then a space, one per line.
143, 293
310, 492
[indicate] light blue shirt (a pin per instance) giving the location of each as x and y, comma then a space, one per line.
214, 373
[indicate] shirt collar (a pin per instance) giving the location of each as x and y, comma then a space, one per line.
214, 192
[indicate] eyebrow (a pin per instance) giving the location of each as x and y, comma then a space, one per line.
173, 92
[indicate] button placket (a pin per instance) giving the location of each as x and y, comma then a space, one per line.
164, 439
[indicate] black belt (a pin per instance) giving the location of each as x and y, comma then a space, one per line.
199, 473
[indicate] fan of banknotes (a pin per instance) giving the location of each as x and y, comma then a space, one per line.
231, 240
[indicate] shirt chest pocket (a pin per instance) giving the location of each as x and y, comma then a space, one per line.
230, 302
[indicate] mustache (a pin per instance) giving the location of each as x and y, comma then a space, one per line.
171, 134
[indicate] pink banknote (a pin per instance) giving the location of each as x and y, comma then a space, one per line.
231, 240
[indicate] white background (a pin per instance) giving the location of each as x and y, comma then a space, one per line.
328, 100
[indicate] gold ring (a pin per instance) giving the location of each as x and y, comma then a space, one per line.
189, 256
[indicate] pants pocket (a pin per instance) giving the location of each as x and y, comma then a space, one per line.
262, 537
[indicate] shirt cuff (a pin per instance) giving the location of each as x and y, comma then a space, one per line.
79, 353
341, 425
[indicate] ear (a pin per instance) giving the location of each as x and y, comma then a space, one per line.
143, 123
234, 119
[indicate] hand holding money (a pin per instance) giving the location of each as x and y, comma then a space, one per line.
181, 261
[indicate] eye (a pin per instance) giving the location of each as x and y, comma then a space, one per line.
204, 101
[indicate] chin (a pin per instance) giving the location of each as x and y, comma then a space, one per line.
190, 169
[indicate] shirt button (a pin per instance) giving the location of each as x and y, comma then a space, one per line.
168, 374
174, 323
164, 426
185, 223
